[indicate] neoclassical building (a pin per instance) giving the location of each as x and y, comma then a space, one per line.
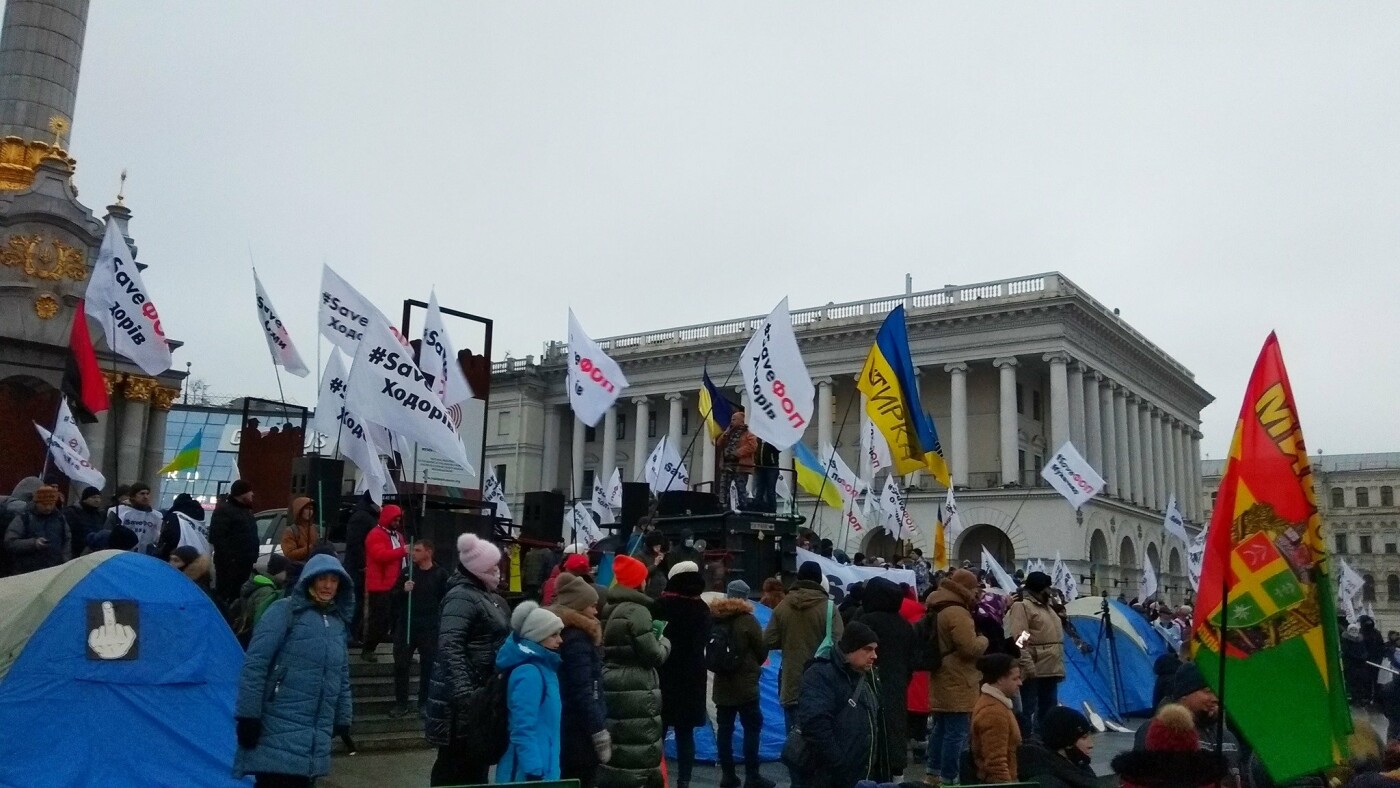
48, 244
1356, 496
1008, 369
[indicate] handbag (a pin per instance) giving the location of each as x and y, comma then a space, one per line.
798, 753
824, 648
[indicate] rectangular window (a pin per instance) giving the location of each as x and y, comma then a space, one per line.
1390, 548
685, 422
1039, 463
1035, 405
500, 472
622, 426
1021, 459
503, 422
589, 434
651, 424
1365, 544
1341, 540
587, 491
1363, 496
1020, 399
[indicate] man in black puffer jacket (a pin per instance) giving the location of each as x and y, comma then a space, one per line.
839, 712
475, 621
233, 534
362, 520
880, 612
683, 681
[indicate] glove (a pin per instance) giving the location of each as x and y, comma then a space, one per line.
602, 745
249, 732
341, 730
658, 627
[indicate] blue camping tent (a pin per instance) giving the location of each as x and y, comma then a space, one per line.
1094, 677
115, 670
770, 747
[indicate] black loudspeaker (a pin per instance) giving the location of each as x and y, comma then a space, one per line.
311, 471
636, 499
682, 503
543, 516
442, 527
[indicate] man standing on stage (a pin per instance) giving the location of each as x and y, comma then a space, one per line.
737, 450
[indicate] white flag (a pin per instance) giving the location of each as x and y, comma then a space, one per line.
1147, 585
65, 431
579, 526
875, 450
851, 519
615, 489
779, 389
1350, 586
439, 360
664, 469
75, 467
117, 300
1063, 579
279, 342
601, 507
952, 523
193, 533
329, 404
358, 445
1195, 558
1071, 476
781, 491
494, 491
388, 389
345, 314
1003, 580
1174, 523
846, 482
733, 497
897, 517
594, 380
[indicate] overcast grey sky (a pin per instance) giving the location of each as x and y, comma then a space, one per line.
1214, 170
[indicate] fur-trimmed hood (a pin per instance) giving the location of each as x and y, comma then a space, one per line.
198, 569
729, 608
575, 620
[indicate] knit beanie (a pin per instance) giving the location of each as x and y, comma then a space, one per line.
1037, 582
236, 489
1188, 679
964, 578
88, 492
576, 563
477, 555
1173, 730
532, 622
737, 589
574, 592
1062, 727
681, 568
46, 495
186, 554
810, 571
856, 637
629, 572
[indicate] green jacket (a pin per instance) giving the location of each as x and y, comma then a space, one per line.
798, 627
632, 652
741, 686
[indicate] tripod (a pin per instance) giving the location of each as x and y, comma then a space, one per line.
1106, 632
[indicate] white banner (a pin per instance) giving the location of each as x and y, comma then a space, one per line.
146, 526
1063, 579
437, 358
388, 389
1174, 523
1195, 558
74, 466
1071, 476
779, 389
874, 450
193, 533
493, 490
594, 380
65, 431
1003, 580
844, 575
279, 342
615, 489
601, 507
345, 314
846, 482
897, 517
1147, 584
117, 300
579, 526
952, 523
664, 469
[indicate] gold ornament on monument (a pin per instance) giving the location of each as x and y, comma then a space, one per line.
44, 258
45, 306
139, 389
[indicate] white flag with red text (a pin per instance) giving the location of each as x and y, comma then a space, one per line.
279, 342
117, 300
594, 380
779, 390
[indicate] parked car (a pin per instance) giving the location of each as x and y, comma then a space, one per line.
272, 523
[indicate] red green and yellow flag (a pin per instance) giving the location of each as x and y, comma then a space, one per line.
1266, 574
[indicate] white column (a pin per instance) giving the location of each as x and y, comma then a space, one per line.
958, 388
640, 450
1076, 407
1183, 478
1093, 421
673, 427
1135, 463
1059, 399
549, 468
823, 413
133, 428
96, 436
154, 458
1159, 465
707, 457
1110, 442
1149, 461
1196, 474
1120, 433
576, 461
1169, 461
609, 460
1010, 442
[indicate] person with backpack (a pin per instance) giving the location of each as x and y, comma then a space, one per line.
683, 682
256, 596
953, 650
735, 654
584, 719
633, 648
530, 660
474, 622
800, 623
880, 612
294, 691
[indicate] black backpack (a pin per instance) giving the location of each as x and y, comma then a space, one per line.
928, 654
721, 654
495, 718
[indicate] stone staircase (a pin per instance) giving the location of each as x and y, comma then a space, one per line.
372, 688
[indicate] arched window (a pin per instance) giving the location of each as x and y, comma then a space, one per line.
1392, 588
1155, 558
1127, 556
1338, 498
1174, 562
1368, 588
995, 540
1098, 548
1363, 496
1387, 496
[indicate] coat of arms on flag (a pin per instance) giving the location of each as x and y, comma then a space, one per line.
1263, 583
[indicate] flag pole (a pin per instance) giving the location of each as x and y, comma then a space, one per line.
702, 428
48, 445
826, 472
1224, 625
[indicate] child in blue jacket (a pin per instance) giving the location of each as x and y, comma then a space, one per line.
532, 693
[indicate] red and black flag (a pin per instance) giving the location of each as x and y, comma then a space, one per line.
82, 378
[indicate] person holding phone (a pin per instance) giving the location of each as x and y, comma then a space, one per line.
1035, 627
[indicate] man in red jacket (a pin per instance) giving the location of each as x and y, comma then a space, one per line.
385, 558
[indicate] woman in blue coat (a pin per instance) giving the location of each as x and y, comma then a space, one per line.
532, 693
294, 693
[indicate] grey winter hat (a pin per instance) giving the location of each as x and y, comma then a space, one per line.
532, 622
737, 589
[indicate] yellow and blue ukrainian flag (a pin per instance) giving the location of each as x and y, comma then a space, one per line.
892, 400
715, 408
811, 477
